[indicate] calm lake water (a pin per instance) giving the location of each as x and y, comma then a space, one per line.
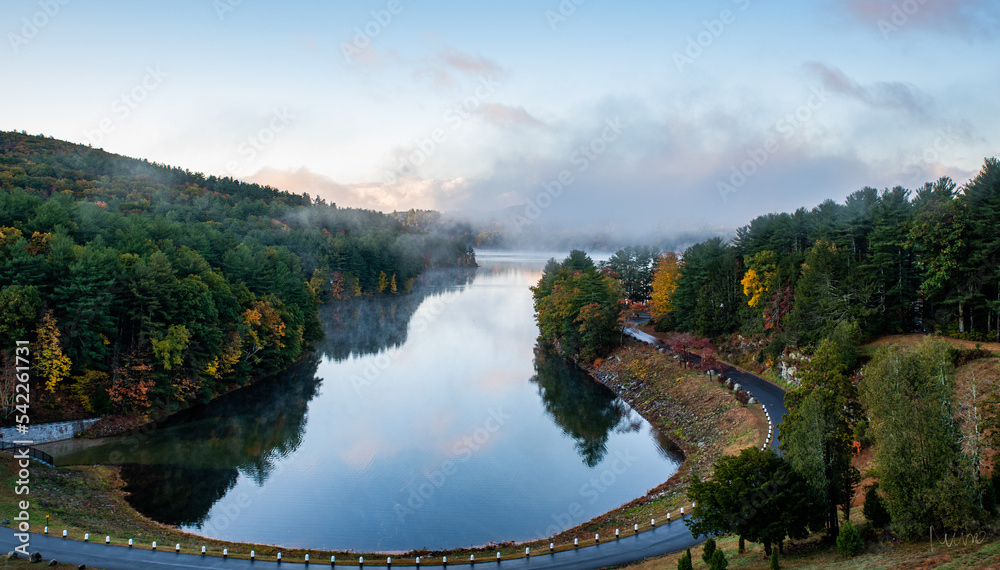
426, 421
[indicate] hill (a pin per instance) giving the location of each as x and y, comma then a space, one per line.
141, 288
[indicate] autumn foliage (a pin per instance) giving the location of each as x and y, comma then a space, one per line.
665, 280
578, 308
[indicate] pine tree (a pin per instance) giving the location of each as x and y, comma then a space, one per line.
718, 561
708, 550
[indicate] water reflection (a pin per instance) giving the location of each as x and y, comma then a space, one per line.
369, 325
327, 461
587, 410
176, 472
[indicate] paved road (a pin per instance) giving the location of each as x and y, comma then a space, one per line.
766, 393
658, 541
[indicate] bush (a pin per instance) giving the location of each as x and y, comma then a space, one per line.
742, 396
709, 549
719, 561
874, 509
774, 560
684, 562
849, 542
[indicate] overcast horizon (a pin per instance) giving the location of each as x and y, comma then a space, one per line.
639, 115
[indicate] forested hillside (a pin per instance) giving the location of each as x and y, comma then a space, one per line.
144, 287
893, 261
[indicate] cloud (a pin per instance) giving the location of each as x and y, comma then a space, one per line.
506, 115
467, 63
953, 17
401, 194
885, 94
440, 67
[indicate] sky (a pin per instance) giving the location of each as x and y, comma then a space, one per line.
649, 116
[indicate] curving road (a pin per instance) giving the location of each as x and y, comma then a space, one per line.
660, 540
771, 396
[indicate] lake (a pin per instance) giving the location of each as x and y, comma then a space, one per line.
429, 420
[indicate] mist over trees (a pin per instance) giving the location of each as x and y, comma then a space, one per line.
894, 261
151, 287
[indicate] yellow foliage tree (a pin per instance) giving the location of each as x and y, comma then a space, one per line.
392, 284
263, 326
758, 281
51, 363
383, 281
665, 280
171, 348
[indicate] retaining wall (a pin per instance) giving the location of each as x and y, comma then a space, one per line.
45, 433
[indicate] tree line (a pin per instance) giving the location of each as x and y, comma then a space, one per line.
144, 287
893, 261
